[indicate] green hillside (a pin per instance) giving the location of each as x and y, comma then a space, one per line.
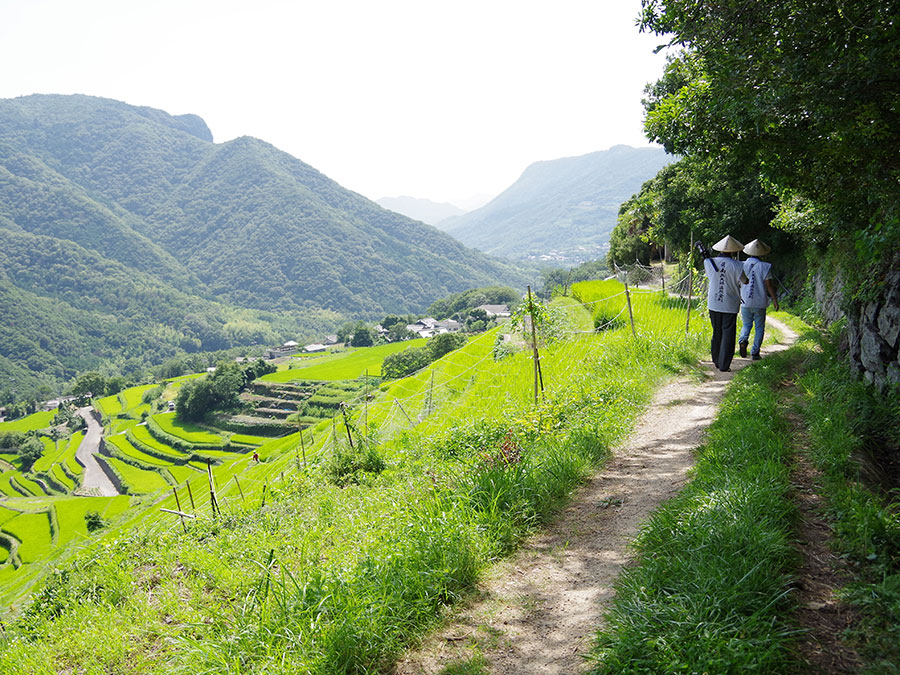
564, 208
128, 234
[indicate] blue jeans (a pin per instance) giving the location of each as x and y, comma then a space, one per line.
755, 317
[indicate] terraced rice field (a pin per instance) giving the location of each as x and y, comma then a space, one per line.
39, 420
34, 533
347, 365
187, 431
139, 481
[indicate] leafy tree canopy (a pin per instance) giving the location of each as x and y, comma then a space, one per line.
806, 93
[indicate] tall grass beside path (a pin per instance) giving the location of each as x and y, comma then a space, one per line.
853, 431
340, 577
710, 592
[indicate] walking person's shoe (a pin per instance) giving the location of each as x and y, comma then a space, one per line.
756, 357
743, 349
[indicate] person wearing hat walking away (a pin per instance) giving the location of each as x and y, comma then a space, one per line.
724, 300
756, 289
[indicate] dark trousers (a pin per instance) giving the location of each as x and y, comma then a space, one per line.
724, 326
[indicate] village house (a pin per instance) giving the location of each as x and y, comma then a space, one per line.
429, 327
495, 311
288, 348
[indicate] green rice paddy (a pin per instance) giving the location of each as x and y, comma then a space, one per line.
347, 365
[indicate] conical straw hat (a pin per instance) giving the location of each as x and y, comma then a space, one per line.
728, 244
757, 247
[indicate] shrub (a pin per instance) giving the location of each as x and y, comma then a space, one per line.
93, 521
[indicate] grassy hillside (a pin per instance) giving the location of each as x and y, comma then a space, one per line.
567, 207
129, 235
335, 564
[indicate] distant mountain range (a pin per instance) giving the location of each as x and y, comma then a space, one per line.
561, 210
421, 209
127, 234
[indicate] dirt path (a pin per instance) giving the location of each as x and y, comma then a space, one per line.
95, 481
538, 612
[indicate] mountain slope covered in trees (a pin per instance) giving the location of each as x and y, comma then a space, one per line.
140, 235
564, 208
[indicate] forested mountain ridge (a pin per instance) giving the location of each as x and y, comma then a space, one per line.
164, 241
564, 208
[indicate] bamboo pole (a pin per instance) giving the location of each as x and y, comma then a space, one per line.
687, 323
346, 422
303, 447
400, 405
538, 375
187, 484
630, 314
178, 506
238, 483
213, 502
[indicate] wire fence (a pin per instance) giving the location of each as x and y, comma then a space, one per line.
501, 369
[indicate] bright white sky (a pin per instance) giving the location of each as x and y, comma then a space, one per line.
439, 100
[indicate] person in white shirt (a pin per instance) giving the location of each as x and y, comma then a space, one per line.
724, 300
756, 289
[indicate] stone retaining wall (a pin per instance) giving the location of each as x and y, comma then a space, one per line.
873, 328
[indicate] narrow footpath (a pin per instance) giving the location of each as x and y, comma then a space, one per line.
94, 482
538, 612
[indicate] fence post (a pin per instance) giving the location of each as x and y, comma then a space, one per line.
213, 502
178, 506
187, 484
303, 447
630, 314
538, 375
399, 405
431, 394
240, 491
346, 423
662, 266
687, 323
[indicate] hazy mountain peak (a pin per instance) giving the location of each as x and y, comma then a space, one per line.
560, 209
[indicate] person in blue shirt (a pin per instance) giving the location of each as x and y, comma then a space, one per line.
756, 289
724, 299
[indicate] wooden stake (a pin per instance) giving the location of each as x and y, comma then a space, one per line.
187, 484
663, 265
334, 432
431, 394
366, 406
630, 315
263, 503
399, 405
178, 513
346, 423
538, 376
687, 323
213, 502
303, 447
178, 506
238, 483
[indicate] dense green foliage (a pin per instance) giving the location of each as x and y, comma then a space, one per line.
803, 94
854, 435
460, 304
579, 196
130, 238
219, 390
412, 359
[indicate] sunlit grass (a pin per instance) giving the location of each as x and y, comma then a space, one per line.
347, 365
332, 577
33, 422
